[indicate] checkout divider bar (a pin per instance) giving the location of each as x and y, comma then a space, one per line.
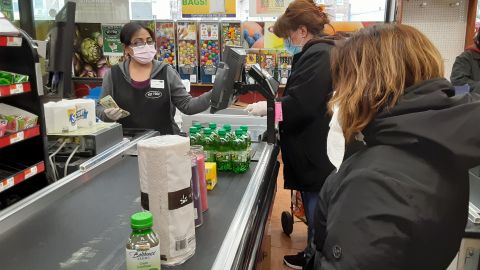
230, 245
38, 201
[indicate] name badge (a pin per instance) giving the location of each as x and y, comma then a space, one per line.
157, 84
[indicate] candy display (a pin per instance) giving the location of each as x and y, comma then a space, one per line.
187, 51
268, 60
231, 34
209, 51
165, 39
8, 78
284, 66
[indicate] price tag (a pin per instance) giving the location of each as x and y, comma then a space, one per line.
7, 183
19, 136
16, 89
14, 41
213, 78
193, 78
30, 172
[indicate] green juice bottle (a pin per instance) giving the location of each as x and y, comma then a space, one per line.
248, 138
223, 156
240, 163
143, 246
193, 136
209, 145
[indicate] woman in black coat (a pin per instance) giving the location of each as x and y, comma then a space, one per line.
303, 131
402, 202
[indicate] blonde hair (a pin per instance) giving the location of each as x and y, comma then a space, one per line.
298, 13
371, 70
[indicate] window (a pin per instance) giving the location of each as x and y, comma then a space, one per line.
339, 17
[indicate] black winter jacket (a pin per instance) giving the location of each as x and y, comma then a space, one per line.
304, 129
402, 202
466, 69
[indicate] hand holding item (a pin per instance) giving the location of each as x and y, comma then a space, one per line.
113, 113
257, 109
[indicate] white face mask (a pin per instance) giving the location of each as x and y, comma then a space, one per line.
335, 140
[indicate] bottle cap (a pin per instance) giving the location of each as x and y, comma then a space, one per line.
222, 132
227, 127
238, 132
244, 128
198, 125
207, 131
212, 125
142, 220
193, 130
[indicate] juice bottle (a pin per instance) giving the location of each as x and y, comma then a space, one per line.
200, 155
223, 157
209, 145
248, 139
240, 163
143, 246
228, 128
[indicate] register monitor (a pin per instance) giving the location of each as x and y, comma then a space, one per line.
228, 72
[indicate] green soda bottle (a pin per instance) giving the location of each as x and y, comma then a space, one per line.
143, 246
209, 145
223, 157
193, 136
230, 135
248, 139
240, 163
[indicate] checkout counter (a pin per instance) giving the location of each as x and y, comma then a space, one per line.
83, 220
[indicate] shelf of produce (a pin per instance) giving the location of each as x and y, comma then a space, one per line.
7, 41
16, 178
16, 137
14, 89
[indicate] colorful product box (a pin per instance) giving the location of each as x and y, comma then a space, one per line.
211, 175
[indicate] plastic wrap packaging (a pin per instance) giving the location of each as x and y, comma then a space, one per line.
165, 175
60, 117
85, 112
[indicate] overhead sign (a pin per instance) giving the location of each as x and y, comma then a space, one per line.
268, 8
208, 8
101, 11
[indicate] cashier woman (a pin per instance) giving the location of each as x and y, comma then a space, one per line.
150, 90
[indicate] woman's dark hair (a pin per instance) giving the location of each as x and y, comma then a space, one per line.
129, 29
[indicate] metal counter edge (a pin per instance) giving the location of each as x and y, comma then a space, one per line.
231, 243
38, 201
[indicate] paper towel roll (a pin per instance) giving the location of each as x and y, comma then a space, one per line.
165, 173
85, 112
60, 117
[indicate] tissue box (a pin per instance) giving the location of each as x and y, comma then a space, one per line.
9, 78
17, 119
211, 175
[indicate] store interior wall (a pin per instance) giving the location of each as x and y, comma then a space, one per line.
443, 21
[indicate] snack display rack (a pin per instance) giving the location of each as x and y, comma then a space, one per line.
209, 50
23, 154
187, 50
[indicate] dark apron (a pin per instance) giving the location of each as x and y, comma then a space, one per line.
149, 108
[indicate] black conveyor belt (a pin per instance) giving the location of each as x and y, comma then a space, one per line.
88, 228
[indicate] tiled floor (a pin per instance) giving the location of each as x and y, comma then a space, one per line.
281, 244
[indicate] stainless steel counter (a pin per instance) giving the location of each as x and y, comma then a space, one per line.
84, 223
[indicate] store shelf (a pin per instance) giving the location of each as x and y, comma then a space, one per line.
14, 89
21, 176
7, 41
19, 136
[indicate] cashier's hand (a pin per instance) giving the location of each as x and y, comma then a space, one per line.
113, 113
257, 109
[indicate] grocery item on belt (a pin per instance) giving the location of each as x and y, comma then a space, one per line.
211, 175
165, 176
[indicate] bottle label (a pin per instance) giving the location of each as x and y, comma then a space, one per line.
148, 259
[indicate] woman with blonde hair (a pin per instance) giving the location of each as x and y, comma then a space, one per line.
402, 202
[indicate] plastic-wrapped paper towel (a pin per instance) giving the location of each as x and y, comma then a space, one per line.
60, 117
165, 173
85, 112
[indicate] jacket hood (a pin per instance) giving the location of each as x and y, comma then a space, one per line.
157, 67
427, 118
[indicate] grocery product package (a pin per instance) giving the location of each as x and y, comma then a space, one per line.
85, 112
60, 116
165, 174
8, 78
17, 119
